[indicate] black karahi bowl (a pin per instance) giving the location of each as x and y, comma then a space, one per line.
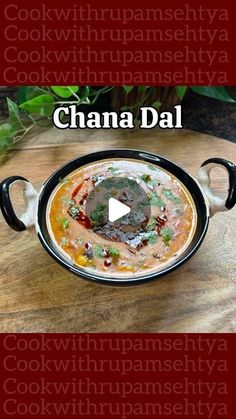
205, 202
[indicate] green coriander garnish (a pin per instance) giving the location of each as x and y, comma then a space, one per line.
63, 180
95, 178
155, 200
149, 180
113, 252
98, 251
169, 195
113, 170
98, 215
64, 222
134, 222
152, 240
151, 224
167, 234
123, 183
67, 200
150, 236
134, 186
153, 183
74, 211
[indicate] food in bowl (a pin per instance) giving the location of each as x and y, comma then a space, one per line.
130, 251
142, 241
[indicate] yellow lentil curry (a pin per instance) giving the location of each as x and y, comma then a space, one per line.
126, 249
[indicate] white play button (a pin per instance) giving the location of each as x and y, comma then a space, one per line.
116, 210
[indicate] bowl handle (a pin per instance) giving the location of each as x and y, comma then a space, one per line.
216, 203
27, 219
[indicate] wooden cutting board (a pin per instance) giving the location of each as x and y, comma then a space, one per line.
38, 295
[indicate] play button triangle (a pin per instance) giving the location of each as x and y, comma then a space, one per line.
116, 210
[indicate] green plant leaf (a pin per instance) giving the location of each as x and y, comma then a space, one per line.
128, 89
84, 93
22, 94
129, 108
42, 105
14, 115
7, 134
156, 104
5, 141
65, 91
143, 88
6, 129
181, 90
34, 91
216, 92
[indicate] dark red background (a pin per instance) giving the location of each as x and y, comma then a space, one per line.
213, 4
173, 376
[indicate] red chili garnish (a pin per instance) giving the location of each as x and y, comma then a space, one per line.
107, 263
76, 190
83, 219
78, 187
82, 201
161, 220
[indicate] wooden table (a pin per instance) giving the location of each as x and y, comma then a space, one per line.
38, 295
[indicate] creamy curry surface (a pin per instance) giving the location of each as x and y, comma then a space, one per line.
136, 243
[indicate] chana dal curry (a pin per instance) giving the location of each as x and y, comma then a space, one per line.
140, 241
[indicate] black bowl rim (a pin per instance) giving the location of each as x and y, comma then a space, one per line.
102, 155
